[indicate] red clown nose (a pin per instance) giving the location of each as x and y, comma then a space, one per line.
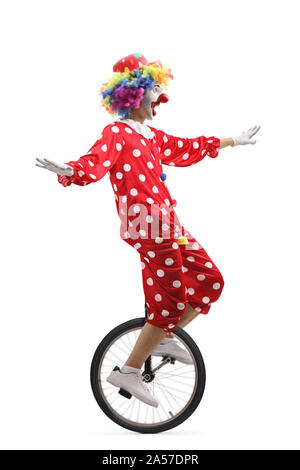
163, 98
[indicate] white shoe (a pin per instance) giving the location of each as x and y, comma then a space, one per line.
169, 347
133, 384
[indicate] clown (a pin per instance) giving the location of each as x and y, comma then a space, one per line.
180, 280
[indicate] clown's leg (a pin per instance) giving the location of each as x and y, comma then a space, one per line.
189, 314
149, 338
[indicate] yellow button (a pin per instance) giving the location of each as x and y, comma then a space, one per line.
182, 240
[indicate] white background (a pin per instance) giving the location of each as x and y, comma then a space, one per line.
67, 277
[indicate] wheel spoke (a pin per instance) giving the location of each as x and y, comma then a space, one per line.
178, 390
116, 345
173, 395
166, 397
175, 380
126, 345
133, 404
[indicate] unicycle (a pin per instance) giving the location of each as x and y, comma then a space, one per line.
178, 387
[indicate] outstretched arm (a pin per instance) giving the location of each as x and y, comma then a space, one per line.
182, 151
243, 139
92, 166
178, 151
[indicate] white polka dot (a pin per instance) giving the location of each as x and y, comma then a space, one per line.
127, 167
137, 246
198, 309
208, 264
159, 240
151, 254
126, 235
171, 325
151, 316
143, 142
142, 232
195, 145
184, 269
180, 306
155, 189
143, 265
191, 291
124, 198
119, 175
175, 245
93, 176
171, 164
133, 192
149, 219
157, 297
176, 284
167, 202
142, 178
115, 129
180, 143
216, 285
122, 211
164, 211
91, 163
104, 148
149, 200
165, 138
160, 273
200, 277
80, 165
118, 146
191, 258
80, 173
169, 261
206, 300
165, 313
106, 163
128, 130
203, 151
167, 152
195, 246
136, 152
150, 281
136, 209
185, 156
150, 165
165, 227
146, 259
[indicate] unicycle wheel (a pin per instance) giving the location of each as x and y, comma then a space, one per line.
178, 387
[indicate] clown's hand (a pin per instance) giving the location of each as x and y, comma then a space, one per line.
59, 168
246, 137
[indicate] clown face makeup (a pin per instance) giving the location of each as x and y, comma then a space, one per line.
153, 98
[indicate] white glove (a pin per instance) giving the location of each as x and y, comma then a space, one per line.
59, 168
245, 137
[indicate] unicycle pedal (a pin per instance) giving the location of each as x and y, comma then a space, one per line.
124, 393
171, 360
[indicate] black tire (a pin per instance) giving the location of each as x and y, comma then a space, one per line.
120, 329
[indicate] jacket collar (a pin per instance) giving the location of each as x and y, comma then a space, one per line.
142, 129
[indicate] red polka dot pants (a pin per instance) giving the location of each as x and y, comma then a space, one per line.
174, 275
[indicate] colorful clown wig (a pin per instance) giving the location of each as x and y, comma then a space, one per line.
125, 89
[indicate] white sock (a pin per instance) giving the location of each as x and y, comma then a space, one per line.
127, 369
